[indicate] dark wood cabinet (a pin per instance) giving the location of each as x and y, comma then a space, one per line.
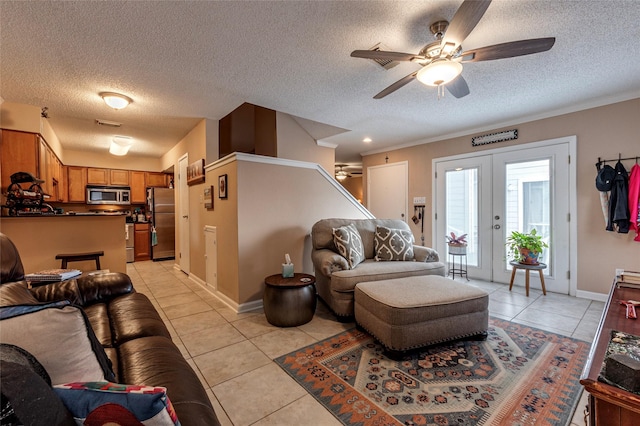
141, 242
610, 405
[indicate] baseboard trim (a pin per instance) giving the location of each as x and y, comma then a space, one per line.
599, 297
238, 308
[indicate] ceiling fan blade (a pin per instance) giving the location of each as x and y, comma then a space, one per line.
509, 50
458, 87
464, 21
382, 54
395, 86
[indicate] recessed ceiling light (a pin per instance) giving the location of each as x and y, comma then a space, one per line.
366, 140
115, 100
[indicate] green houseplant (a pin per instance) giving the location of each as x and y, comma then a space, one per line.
525, 247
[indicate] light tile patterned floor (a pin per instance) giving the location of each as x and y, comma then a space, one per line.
233, 353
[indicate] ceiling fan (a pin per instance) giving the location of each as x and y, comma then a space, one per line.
342, 174
442, 60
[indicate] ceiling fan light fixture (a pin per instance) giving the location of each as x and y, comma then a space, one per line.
439, 72
341, 175
115, 100
120, 145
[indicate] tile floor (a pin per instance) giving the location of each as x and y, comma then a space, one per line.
209, 334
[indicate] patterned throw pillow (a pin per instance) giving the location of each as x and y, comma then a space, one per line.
393, 244
349, 243
102, 403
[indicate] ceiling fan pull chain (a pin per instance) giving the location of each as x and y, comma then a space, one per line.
440, 91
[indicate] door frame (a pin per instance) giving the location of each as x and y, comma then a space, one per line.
573, 209
184, 242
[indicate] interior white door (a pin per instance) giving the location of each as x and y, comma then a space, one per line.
518, 188
531, 191
387, 190
463, 206
183, 217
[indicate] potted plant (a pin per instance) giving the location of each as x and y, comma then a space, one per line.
525, 247
457, 245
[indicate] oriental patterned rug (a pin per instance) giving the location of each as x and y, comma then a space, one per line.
519, 376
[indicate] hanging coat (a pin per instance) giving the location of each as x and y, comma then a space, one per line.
634, 200
619, 201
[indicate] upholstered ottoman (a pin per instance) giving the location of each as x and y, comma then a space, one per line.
407, 313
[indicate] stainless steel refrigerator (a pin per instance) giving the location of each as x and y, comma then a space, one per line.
161, 206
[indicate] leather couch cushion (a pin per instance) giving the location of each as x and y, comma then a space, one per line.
97, 315
10, 264
156, 361
16, 293
133, 316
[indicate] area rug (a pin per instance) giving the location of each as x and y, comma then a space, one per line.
519, 376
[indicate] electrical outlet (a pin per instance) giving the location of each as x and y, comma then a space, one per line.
619, 272
419, 200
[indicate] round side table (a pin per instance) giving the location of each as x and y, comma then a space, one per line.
539, 267
289, 302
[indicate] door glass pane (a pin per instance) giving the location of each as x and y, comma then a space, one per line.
462, 208
528, 204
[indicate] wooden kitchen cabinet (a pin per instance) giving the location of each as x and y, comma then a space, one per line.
19, 152
141, 242
96, 176
119, 177
76, 184
100, 176
138, 187
156, 179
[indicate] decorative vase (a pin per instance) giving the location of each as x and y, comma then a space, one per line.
457, 248
528, 257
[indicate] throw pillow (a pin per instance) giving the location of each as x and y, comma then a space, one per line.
100, 403
393, 244
27, 397
349, 244
60, 336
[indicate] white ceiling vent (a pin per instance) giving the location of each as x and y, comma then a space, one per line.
384, 63
107, 123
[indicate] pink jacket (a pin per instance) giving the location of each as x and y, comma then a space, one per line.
634, 201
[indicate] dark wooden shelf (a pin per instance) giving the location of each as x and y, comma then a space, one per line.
610, 405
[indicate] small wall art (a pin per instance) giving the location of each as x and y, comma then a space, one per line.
208, 198
222, 186
195, 172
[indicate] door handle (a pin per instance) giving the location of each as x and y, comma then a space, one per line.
496, 226
185, 216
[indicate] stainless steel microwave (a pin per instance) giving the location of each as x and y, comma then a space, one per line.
108, 195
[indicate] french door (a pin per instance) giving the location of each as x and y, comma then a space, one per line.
489, 196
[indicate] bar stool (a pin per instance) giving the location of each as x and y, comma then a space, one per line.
78, 257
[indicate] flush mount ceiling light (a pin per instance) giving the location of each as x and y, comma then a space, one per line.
115, 100
366, 140
120, 145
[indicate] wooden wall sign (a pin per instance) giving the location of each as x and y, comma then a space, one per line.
195, 172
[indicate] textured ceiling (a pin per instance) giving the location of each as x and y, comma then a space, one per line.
184, 61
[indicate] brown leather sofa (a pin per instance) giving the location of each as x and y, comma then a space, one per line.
130, 330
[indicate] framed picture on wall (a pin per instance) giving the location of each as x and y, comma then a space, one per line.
208, 198
195, 172
222, 186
